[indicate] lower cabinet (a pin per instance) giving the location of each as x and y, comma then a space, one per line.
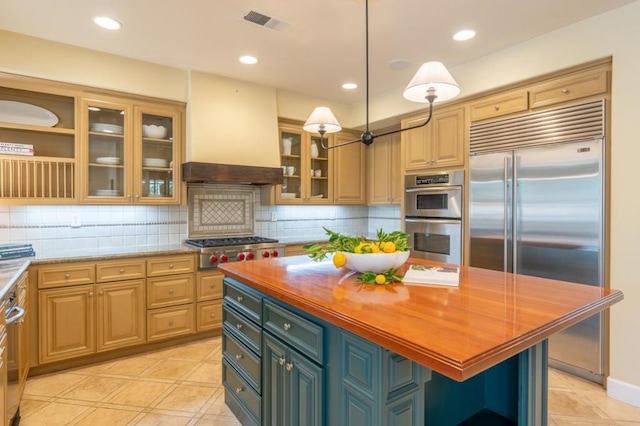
295, 393
283, 367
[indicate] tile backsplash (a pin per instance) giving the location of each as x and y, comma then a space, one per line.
52, 229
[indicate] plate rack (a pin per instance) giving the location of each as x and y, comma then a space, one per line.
33, 177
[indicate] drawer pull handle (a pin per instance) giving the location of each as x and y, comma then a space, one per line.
286, 326
213, 286
239, 326
239, 298
171, 266
239, 389
282, 360
565, 91
122, 270
289, 366
171, 291
67, 276
238, 357
170, 322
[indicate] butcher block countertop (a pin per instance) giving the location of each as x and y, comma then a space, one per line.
456, 331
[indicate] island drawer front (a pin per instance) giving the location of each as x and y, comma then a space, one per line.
119, 270
171, 265
243, 299
170, 322
244, 394
209, 315
168, 291
404, 375
209, 286
66, 274
243, 329
294, 330
243, 360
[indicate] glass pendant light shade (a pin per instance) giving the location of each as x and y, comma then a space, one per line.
432, 75
322, 119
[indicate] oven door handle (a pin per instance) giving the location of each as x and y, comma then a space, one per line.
11, 319
442, 221
434, 189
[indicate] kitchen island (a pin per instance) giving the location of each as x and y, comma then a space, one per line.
305, 343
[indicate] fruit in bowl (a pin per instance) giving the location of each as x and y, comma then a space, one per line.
376, 260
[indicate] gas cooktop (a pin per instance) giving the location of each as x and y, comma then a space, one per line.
228, 241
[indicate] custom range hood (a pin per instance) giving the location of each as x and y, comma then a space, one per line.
194, 172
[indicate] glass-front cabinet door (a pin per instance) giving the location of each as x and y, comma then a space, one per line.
291, 159
156, 155
320, 172
106, 151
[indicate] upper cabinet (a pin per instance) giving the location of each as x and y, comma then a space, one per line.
131, 152
441, 143
384, 176
349, 169
38, 146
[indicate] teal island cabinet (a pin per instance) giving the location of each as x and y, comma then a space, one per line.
304, 343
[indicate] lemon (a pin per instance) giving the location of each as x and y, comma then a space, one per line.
381, 279
339, 259
389, 247
359, 247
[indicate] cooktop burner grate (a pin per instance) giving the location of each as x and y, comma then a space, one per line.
228, 241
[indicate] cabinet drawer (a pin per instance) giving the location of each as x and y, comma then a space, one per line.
209, 285
170, 322
66, 274
499, 105
209, 315
243, 299
247, 364
119, 270
245, 398
168, 291
243, 329
294, 330
171, 265
569, 88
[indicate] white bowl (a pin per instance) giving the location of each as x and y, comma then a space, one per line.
375, 262
153, 131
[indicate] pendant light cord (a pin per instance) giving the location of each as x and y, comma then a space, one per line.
366, 56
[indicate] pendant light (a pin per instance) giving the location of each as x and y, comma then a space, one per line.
432, 83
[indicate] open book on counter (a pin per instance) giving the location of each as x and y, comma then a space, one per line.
436, 275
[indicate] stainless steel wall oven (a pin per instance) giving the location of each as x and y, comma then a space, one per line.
433, 215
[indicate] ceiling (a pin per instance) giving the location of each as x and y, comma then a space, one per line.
321, 46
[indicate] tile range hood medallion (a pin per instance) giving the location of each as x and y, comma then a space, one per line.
194, 172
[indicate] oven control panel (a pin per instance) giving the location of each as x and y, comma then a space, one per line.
212, 257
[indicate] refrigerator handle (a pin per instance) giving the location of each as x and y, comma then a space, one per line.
505, 228
514, 216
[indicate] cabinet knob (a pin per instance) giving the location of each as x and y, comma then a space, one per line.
122, 270
565, 91
282, 360
497, 107
171, 266
67, 276
286, 326
171, 291
90, 294
128, 195
170, 322
239, 298
100, 293
239, 389
213, 286
212, 315
137, 196
289, 366
238, 357
239, 326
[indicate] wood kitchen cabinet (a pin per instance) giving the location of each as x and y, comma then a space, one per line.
3, 367
384, 171
570, 87
349, 167
441, 143
123, 163
209, 300
498, 105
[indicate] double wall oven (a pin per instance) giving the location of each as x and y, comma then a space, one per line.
433, 215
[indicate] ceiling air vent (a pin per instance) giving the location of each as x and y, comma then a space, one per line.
267, 21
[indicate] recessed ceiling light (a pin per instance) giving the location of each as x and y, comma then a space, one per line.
249, 60
398, 64
464, 35
349, 86
108, 23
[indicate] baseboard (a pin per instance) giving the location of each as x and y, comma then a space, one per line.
622, 391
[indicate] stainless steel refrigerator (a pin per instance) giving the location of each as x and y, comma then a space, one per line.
540, 211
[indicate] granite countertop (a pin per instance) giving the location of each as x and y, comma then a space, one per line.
89, 254
10, 271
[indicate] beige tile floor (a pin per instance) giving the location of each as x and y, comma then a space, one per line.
183, 386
